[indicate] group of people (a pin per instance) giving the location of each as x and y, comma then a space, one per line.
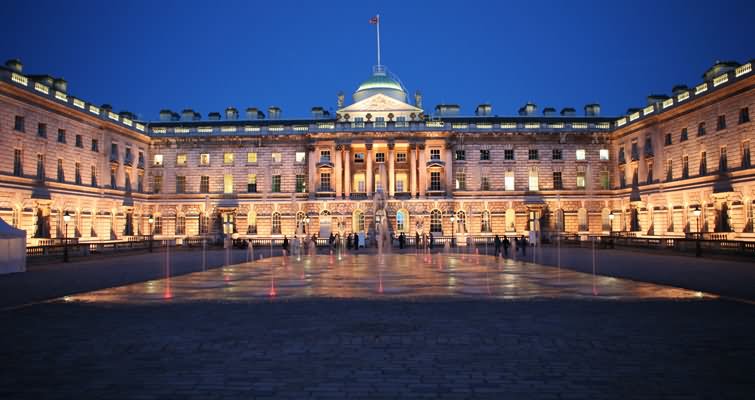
520, 244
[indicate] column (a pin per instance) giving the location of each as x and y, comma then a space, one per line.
337, 171
312, 171
449, 169
422, 170
368, 171
347, 171
412, 170
391, 171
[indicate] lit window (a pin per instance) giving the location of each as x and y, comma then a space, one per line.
251, 183
581, 154
276, 157
181, 160
461, 181
227, 158
158, 160
300, 156
251, 157
508, 181
533, 180
227, 183
580, 179
603, 154
204, 159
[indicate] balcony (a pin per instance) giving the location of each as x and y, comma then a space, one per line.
358, 196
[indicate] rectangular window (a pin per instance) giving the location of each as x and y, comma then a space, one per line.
77, 173
19, 124
484, 155
635, 151
622, 178
685, 166
581, 181
401, 157
204, 184
227, 183
622, 157
113, 178
703, 164
557, 182
649, 147
744, 115
604, 154
181, 160
533, 180
40, 166
508, 181
95, 145
461, 180
204, 159
180, 225
79, 142
276, 157
300, 157
324, 155
460, 155
399, 186
358, 157
158, 228
228, 158
128, 158
484, 183
605, 180
180, 184
557, 154
668, 140
746, 154
701, 129
301, 185
581, 154
325, 182
435, 154
723, 161
533, 154
93, 180
721, 122
17, 163
379, 157
42, 130
61, 135
508, 154
276, 184
251, 157
435, 180
649, 169
157, 184
683, 136
140, 183
157, 160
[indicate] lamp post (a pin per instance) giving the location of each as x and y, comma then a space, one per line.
611, 216
453, 218
150, 221
696, 212
66, 219
306, 224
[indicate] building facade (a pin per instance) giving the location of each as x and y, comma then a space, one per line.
678, 166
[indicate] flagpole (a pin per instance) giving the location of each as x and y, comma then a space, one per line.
378, 39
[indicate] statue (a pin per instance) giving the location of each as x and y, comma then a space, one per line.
418, 99
340, 99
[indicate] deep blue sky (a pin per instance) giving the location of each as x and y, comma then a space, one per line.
142, 56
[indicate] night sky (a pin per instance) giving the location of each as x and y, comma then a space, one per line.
143, 56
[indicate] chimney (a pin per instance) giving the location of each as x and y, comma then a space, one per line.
447, 109
656, 98
127, 114
679, 89
187, 114
60, 84
274, 112
317, 112
483, 110
213, 116
254, 113
568, 112
231, 113
15, 65
166, 115
46, 80
106, 108
719, 68
549, 111
592, 110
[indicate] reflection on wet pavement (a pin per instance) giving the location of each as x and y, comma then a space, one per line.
390, 276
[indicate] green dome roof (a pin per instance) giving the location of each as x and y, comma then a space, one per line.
381, 82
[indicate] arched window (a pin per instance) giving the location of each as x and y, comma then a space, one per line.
605, 219
485, 224
461, 221
582, 219
276, 224
436, 225
300, 224
510, 220
560, 220
180, 225
402, 220
251, 227
357, 221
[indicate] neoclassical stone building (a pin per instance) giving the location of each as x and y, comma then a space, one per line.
679, 165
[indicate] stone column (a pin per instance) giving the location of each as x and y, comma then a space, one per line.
337, 171
391, 171
347, 171
312, 172
422, 170
449, 169
412, 170
368, 171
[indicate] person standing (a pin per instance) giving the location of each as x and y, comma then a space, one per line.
432, 240
524, 246
285, 244
506, 244
497, 243
417, 240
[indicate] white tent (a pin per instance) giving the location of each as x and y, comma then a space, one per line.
12, 249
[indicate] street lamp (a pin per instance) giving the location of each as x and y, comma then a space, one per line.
453, 218
696, 212
66, 219
306, 224
698, 250
150, 221
611, 216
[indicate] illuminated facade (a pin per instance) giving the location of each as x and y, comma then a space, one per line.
260, 175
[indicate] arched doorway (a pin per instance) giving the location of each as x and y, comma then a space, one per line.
325, 221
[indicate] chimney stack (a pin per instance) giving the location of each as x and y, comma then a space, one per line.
484, 109
231, 113
15, 65
274, 112
592, 110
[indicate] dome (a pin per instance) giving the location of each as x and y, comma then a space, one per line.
381, 82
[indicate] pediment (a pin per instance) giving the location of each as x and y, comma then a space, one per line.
380, 102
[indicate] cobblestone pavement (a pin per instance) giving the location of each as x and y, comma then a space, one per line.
352, 348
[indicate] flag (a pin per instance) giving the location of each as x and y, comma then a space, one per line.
374, 20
